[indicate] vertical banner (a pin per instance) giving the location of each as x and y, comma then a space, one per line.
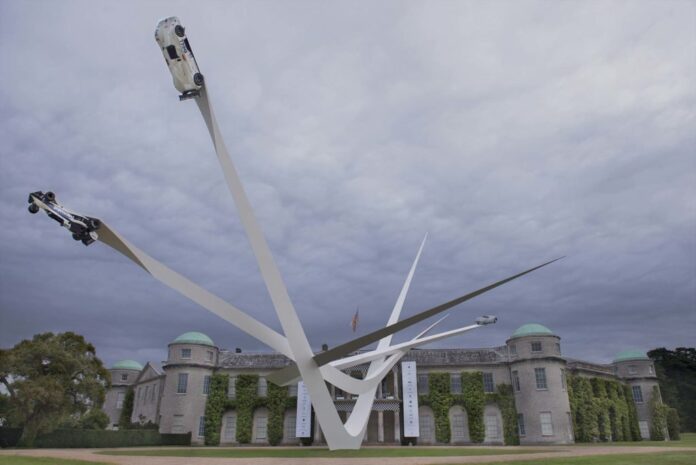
303, 422
410, 384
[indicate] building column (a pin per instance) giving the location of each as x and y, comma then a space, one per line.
380, 426
397, 426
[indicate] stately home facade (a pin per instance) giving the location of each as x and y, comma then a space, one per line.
174, 394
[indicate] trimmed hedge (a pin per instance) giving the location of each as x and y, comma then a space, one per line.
66, 438
9, 437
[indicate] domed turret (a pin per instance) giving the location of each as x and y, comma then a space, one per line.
192, 359
539, 384
638, 371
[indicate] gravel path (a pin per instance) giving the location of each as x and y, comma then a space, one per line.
554, 451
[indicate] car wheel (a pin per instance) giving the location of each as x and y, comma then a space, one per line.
179, 30
76, 236
96, 224
50, 196
198, 79
33, 208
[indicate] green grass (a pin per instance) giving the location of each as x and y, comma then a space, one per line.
663, 458
24, 460
243, 452
687, 440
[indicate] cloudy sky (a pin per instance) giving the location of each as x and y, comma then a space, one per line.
511, 132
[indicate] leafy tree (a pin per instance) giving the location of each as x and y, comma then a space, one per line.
676, 372
50, 378
94, 419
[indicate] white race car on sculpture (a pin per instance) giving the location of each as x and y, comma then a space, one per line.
486, 320
171, 37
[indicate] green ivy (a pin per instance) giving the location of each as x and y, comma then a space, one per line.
474, 401
124, 420
658, 411
246, 401
505, 400
440, 400
602, 410
246, 394
276, 403
673, 424
215, 408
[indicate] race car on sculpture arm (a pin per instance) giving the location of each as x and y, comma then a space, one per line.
171, 38
486, 320
83, 228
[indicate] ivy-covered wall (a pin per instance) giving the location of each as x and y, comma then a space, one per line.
602, 410
472, 399
245, 402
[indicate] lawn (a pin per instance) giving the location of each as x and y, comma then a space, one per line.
244, 452
24, 460
687, 440
666, 458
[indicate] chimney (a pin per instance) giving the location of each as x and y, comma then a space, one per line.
324, 347
238, 350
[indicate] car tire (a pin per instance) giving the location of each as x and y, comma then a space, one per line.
179, 30
76, 236
96, 224
33, 208
198, 79
50, 196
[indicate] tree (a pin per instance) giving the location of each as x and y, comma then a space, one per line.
49, 379
676, 372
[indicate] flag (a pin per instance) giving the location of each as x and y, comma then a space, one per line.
355, 320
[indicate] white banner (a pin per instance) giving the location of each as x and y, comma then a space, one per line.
303, 422
409, 382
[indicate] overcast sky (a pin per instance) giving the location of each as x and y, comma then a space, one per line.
511, 132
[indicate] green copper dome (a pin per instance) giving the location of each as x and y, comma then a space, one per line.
532, 329
194, 337
127, 365
632, 354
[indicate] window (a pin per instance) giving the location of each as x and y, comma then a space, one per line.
209, 355
536, 346
455, 383
516, 380
261, 427
230, 432
644, 429
458, 427
139, 396
119, 400
152, 393
650, 370
540, 376
488, 384
185, 353
201, 427
637, 394
206, 385
147, 392
520, 424
513, 349
124, 377
423, 383
558, 348
182, 382
290, 424
178, 424
171, 50
426, 425
632, 370
563, 379
491, 427
546, 424
292, 390
386, 388
232, 388
263, 387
